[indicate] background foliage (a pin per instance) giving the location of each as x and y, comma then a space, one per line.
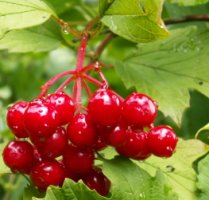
157, 47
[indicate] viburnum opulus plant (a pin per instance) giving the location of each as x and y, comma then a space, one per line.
58, 137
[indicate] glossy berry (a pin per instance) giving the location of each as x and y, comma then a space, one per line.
54, 146
81, 131
105, 107
47, 173
64, 106
135, 146
100, 144
96, 180
41, 120
78, 160
18, 156
15, 119
68, 173
162, 141
118, 136
139, 110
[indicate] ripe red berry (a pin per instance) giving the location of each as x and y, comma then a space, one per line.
139, 110
64, 106
81, 131
162, 141
54, 146
68, 173
41, 120
78, 160
18, 155
135, 146
118, 136
105, 107
15, 119
96, 180
100, 144
47, 173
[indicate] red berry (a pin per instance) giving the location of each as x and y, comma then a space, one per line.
81, 131
78, 160
100, 144
135, 146
105, 107
54, 146
15, 119
68, 173
139, 110
96, 180
162, 141
64, 106
47, 173
41, 120
18, 155
118, 136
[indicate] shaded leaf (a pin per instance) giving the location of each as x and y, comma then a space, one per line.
103, 5
196, 116
167, 69
61, 6
3, 168
138, 21
22, 14
173, 11
178, 169
203, 178
36, 39
203, 134
188, 2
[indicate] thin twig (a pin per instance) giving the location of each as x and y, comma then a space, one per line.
204, 17
101, 47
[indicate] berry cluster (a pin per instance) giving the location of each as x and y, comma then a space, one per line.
57, 137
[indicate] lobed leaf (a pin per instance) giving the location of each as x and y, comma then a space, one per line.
167, 69
20, 14
178, 169
131, 182
136, 20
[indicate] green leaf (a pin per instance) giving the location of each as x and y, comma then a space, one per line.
138, 21
37, 39
131, 182
171, 11
188, 2
3, 168
61, 6
103, 5
190, 125
203, 178
71, 191
178, 169
203, 134
166, 69
20, 14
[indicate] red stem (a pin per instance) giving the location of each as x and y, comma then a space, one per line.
93, 80
86, 87
105, 83
64, 84
51, 81
78, 101
81, 52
